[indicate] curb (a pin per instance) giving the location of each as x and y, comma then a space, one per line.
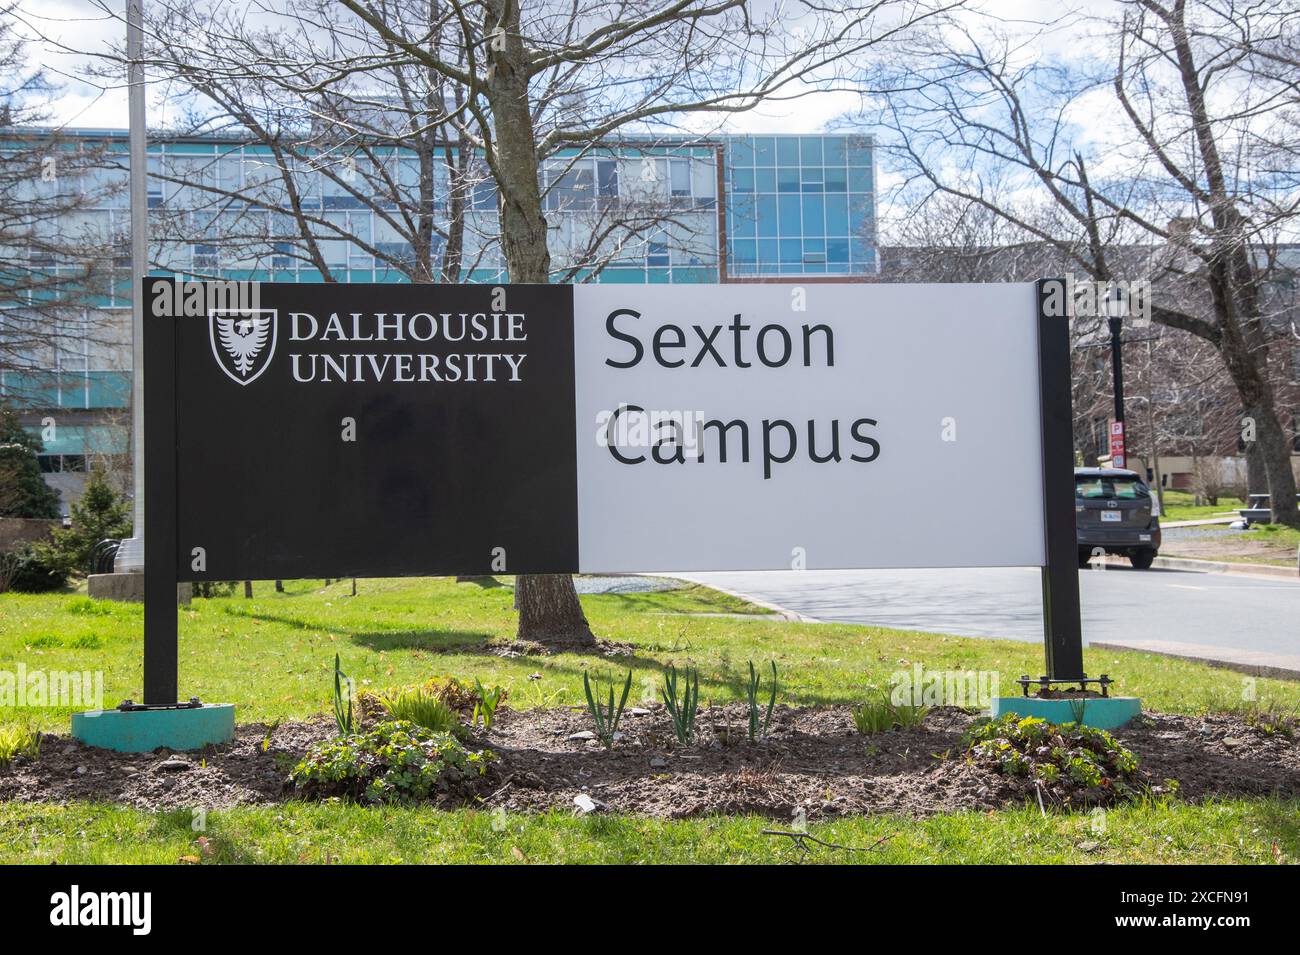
786, 614
1190, 652
1224, 567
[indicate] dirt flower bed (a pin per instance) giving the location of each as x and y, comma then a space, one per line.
812, 761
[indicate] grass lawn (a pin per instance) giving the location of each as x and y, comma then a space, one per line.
273, 657
1179, 506
1229, 832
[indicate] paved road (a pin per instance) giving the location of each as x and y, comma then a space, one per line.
1251, 615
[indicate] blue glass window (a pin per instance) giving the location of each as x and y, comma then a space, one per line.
859, 179
764, 151
833, 148
742, 152
787, 151
767, 215
837, 179
787, 179
810, 150
858, 216
837, 215
814, 215
791, 252
742, 217
765, 180
837, 251
790, 216
742, 180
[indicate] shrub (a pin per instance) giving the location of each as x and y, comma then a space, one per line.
23, 491
33, 568
17, 740
883, 714
99, 514
1074, 763
212, 588
422, 706
396, 762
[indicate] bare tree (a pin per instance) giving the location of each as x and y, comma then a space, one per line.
532, 81
1188, 191
553, 74
55, 258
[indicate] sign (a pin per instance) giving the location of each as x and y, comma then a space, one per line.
828, 426
381, 430
297, 430
1117, 457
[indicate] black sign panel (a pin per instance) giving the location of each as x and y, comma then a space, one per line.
431, 433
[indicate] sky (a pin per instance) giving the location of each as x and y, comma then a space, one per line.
78, 29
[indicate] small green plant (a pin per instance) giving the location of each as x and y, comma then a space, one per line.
18, 740
1075, 764
606, 718
486, 702
682, 713
396, 762
540, 699
1271, 720
883, 714
342, 713
423, 707
270, 731
758, 729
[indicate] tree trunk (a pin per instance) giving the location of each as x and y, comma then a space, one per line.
549, 610
1256, 476
1256, 394
248, 590
279, 586
1234, 282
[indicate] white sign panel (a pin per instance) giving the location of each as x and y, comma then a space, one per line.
757, 426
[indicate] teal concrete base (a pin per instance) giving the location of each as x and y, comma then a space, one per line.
1103, 712
142, 731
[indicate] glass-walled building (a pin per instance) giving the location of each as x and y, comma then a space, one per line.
800, 205
726, 209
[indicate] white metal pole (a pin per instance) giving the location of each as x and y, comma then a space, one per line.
130, 556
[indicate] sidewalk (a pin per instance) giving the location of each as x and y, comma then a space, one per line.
1198, 523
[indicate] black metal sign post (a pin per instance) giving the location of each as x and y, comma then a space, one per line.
160, 627
1062, 629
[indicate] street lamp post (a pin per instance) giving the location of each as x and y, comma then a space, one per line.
130, 555
1117, 371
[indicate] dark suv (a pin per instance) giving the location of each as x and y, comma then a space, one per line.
1113, 513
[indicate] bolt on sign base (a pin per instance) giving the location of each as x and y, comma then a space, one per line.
144, 730
1100, 712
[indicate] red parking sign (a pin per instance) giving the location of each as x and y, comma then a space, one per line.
1117, 444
